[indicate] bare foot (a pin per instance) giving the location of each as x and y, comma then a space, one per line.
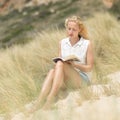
47, 106
36, 105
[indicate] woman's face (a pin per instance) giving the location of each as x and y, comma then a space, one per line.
73, 30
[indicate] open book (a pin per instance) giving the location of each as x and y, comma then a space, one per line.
68, 58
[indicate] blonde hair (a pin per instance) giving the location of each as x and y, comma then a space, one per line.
83, 31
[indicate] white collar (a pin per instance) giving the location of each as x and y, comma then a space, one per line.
79, 43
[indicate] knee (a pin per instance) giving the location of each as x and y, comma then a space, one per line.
59, 64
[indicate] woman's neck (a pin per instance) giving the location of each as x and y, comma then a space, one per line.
74, 41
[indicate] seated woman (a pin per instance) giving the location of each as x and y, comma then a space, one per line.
71, 73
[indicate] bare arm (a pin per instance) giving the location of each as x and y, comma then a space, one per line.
89, 61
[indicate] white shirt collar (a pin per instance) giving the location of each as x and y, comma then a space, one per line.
79, 43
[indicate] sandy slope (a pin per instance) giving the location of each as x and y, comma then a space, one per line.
103, 107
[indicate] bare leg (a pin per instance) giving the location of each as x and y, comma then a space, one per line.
57, 83
44, 91
47, 85
72, 77
64, 73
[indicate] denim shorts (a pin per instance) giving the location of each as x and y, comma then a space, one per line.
85, 78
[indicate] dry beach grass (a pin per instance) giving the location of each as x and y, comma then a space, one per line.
23, 68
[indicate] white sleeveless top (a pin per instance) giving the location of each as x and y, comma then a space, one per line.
79, 49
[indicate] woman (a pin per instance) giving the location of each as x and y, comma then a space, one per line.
68, 74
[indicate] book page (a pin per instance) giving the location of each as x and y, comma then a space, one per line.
71, 58
68, 58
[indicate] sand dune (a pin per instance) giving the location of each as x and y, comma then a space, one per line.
102, 107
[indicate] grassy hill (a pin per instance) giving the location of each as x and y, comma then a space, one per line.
24, 67
16, 27
37, 31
